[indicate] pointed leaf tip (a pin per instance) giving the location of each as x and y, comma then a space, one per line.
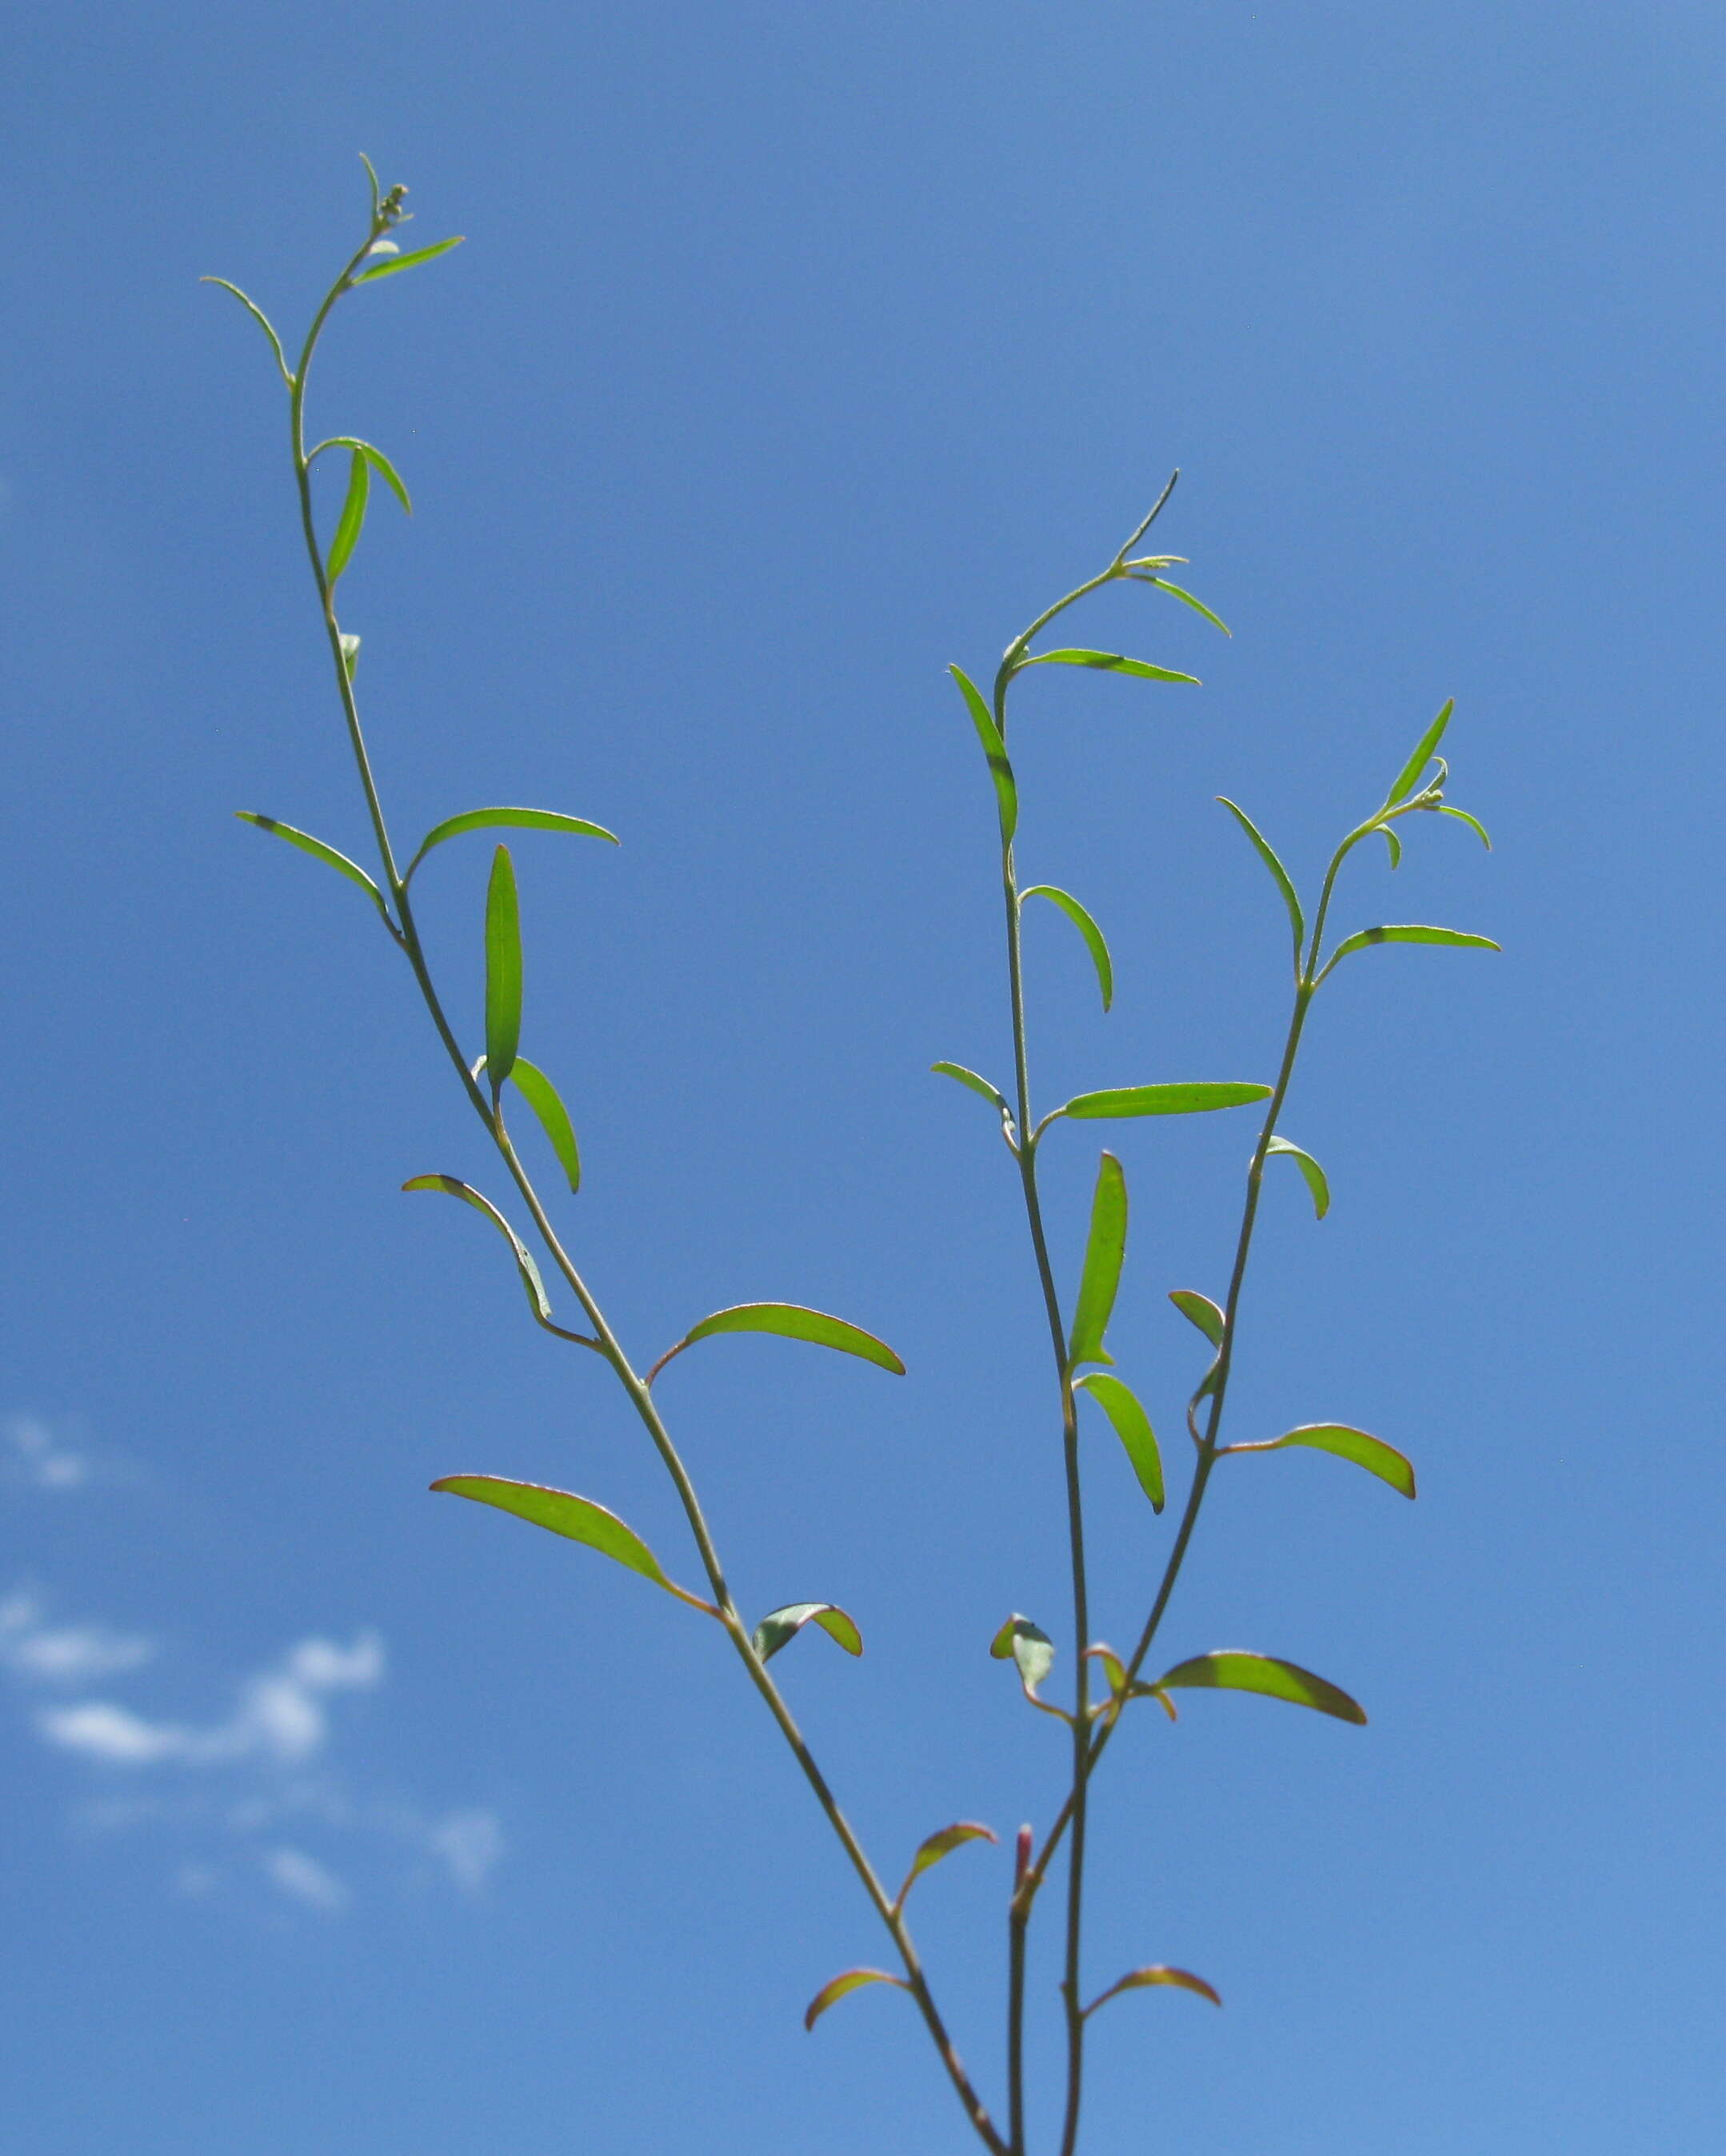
1112, 662
938, 1846
503, 970
1233, 1670
1104, 1253
1132, 1425
1200, 1310
1311, 1173
1371, 1453
791, 1321
562, 1513
994, 749
1088, 930
1138, 1978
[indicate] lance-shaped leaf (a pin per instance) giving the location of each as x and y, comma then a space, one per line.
1425, 748
319, 852
1105, 1252
1031, 1650
1279, 875
375, 457
542, 1095
1231, 1670
1200, 1310
503, 969
780, 1626
1393, 845
851, 1979
562, 1513
1364, 938
350, 656
958, 1070
994, 748
1174, 591
454, 1187
409, 261
1371, 1453
261, 319
939, 1846
1310, 1170
1138, 1978
1087, 927
1473, 822
1197, 1100
1111, 662
1133, 1426
351, 521
526, 820
793, 1322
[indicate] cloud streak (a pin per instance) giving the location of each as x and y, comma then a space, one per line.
41, 1459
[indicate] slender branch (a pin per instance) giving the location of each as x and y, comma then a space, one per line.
723, 1607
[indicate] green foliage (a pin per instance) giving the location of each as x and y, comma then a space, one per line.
1077, 1332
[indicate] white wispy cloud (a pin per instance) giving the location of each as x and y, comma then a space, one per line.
40, 1458
281, 1715
66, 1654
305, 1880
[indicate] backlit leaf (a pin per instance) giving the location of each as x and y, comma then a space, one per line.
375, 457
454, 1187
853, 1979
319, 852
1164, 1099
977, 1084
939, 1846
1393, 845
1291, 899
994, 748
1133, 1426
1424, 749
1105, 1252
1230, 1669
794, 1323
503, 969
1198, 606
261, 319
1364, 938
542, 1095
1032, 1650
1473, 822
563, 1514
351, 520
1139, 1977
1371, 1453
528, 819
780, 1626
409, 261
1087, 927
1200, 1310
1310, 1169
1111, 662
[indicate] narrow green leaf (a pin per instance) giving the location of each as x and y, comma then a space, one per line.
1371, 1453
994, 748
1198, 606
352, 519
503, 970
350, 656
1164, 1099
542, 1095
375, 457
1291, 899
409, 261
452, 1185
372, 176
1133, 1426
793, 1322
1309, 1167
1473, 822
1200, 1310
977, 1084
1087, 927
936, 1846
319, 852
1111, 662
780, 1626
1139, 1977
1114, 1668
1232, 1670
526, 820
261, 319
1031, 1650
1422, 757
562, 1514
1393, 845
1364, 938
1105, 1252
853, 1979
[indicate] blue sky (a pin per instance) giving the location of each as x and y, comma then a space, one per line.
792, 354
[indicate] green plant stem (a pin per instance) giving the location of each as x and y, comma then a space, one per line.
407, 935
